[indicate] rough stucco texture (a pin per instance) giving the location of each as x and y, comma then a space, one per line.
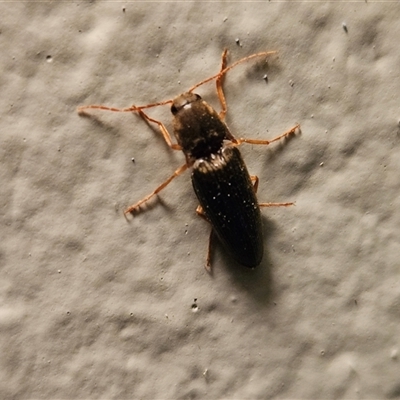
93, 306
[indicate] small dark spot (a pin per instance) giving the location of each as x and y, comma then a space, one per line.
195, 306
74, 245
344, 26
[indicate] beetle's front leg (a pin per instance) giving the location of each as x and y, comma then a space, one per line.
163, 130
83, 111
219, 83
220, 76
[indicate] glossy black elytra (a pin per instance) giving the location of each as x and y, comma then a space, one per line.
220, 178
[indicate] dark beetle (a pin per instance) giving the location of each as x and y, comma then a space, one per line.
220, 178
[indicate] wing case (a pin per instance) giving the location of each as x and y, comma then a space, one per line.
226, 194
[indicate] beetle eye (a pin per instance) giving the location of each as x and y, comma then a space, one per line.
173, 109
197, 96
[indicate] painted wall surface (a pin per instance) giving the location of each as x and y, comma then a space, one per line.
95, 306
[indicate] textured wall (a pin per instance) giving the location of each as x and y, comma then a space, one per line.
93, 306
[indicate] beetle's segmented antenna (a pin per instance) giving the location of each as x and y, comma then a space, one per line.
82, 110
161, 103
132, 108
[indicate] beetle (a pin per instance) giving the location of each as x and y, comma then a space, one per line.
220, 178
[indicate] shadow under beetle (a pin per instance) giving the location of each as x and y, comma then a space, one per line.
220, 178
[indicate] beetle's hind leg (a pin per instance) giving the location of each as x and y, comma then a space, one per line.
275, 204
207, 266
255, 185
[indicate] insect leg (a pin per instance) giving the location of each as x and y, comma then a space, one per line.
200, 212
136, 206
288, 133
163, 130
275, 204
226, 69
167, 137
208, 261
256, 180
219, 82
